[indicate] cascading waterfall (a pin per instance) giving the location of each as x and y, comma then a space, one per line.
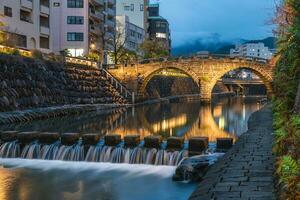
70, 153
10, 149
31, 151
97, 153
49, 151
136, 155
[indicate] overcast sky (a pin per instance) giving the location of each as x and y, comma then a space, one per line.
231, 19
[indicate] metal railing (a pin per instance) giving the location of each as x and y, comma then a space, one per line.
119, 86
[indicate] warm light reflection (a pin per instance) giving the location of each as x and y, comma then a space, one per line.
170, 123
217, 111
222, 123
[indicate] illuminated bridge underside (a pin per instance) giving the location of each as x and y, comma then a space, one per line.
204, 72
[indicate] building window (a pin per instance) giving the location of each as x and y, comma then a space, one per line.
160, 25
75, 36
127, 8
44, 43
142, 7
7, 11
44, 21
132, 7
75, 3
75, 20
161, 35
25, 16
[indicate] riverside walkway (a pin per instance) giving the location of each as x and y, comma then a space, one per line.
246, 171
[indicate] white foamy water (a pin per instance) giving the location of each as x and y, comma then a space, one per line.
87, 180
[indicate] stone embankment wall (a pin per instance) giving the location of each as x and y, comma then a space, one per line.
28, 83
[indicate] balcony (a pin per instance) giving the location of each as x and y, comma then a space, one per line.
108, 36
111, 2
44, 30
27, 4
97, 2
110, 12
96, 15
110, 24
95, 30
45, 10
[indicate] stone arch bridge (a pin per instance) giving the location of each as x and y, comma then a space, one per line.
204, 71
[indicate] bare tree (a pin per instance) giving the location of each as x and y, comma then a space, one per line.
118, 42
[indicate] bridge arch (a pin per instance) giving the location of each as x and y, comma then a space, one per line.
149, 75
260, 71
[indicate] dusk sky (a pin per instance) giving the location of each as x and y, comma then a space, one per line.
230, 19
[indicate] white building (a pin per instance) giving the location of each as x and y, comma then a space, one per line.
252, 50
132, 35
28, 23
136, 10
80, 26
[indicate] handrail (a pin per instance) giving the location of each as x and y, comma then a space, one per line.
113, 80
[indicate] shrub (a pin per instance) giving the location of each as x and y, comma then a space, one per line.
37, 54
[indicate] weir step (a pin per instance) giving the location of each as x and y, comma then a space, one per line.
48, 137
132, 140
112, 140
69, 138
90, 138
27, 137
197, 145
175, 143
153, 141
8, 136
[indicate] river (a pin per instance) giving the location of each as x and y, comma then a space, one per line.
41, 179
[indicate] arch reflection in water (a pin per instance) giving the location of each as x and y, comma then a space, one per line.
225, 117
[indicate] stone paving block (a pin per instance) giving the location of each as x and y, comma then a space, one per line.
262, 179
247, 168
227, 194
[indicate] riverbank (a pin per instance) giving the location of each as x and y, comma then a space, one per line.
246, 171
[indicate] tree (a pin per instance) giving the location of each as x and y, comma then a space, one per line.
118, 41
153, 48
3, 34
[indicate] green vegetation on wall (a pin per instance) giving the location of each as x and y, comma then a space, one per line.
286, 120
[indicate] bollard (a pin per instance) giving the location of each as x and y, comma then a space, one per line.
27, 137
175, 143
90, 138
132, 141
197, 145
224, 144
112, 140
69, 138
48, 137
153, 141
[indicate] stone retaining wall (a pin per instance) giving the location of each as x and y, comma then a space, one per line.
28, 83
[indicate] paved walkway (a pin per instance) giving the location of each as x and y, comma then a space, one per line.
246, 171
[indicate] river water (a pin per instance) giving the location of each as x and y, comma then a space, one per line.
40, 179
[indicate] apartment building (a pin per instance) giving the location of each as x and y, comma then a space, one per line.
131, 35
79, 26
159, 27
251, 50
83, 26
136, 10
28, 23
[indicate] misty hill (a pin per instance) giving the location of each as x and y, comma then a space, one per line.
217, 47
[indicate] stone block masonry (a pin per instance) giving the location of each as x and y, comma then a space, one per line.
246, 171
26, 83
